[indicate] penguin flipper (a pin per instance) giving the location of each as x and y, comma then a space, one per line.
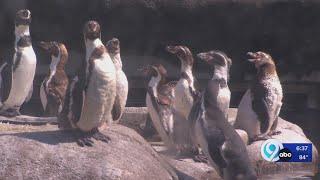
116, 109
260, 107
29, 94
52, 108
77, 96
6, 81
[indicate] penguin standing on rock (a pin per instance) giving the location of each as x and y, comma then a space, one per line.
159, 101
113, 47
92, 92
210, 128
17, 74
260, 106
53, 88
184, 94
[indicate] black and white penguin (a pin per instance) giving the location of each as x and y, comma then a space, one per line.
113, 47
260, 106
184, 94
17, 74
92, 92
210, 128
185, 90
159, 101
54, 86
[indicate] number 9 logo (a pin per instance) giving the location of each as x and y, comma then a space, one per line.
270, 150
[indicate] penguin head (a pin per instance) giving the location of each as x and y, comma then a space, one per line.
92, 30
113, 46
23, 17
260, 58
51, 47
154, 70
215, 58
183, 53
57, 50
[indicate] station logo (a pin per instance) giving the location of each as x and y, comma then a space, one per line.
273, 150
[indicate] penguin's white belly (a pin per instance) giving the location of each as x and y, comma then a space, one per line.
99, 97
223, 98
158, 123
22, 79
122, 89
246, 117
183, 99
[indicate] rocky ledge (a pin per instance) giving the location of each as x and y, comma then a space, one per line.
45, 152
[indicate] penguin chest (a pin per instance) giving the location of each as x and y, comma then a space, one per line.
122, 88
100, 95
274, 95
23, 76
183, 99
246, 118
162, 121
223, 98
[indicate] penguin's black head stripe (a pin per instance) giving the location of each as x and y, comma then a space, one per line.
182, 52
215, 57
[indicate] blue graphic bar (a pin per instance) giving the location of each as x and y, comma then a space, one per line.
299, 152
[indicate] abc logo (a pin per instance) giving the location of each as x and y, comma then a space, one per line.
270, 150
285, 155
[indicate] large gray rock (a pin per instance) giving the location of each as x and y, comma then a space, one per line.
44, 152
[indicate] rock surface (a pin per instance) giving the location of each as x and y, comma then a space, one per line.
290, 133
44, 152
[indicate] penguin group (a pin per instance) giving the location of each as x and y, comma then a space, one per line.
85, 103
189, 120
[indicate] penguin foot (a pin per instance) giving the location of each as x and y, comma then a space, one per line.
85, 138
100, 137
10, 113
200, 158
84, 141
274, 133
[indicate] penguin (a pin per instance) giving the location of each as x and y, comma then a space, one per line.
185, 92
159, 101
210, 128
260, 106
113, 47
186, 89
17, 74
54, 86
92, 91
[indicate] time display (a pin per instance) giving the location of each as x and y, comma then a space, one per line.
299, 152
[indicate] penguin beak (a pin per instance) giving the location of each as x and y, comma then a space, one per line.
144, 70
204, 56
254, 57
115, 41
172, 49
45, 45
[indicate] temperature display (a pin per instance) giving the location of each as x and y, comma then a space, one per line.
298, 152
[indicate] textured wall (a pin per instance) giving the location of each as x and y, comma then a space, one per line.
288, 30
